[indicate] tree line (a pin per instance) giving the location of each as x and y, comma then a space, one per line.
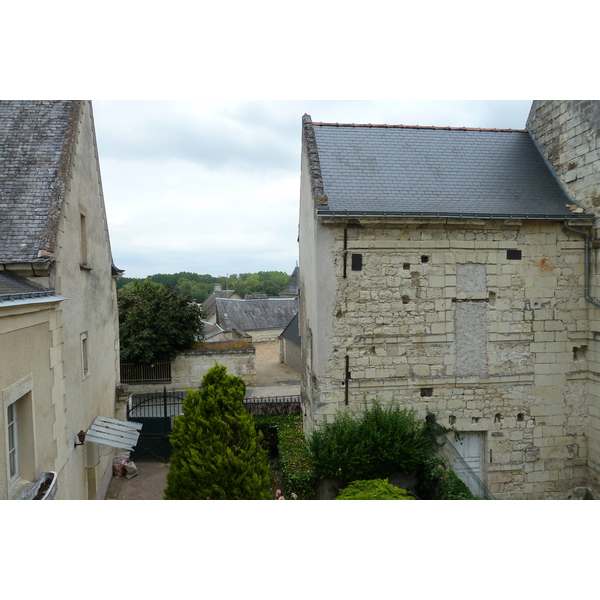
200, 287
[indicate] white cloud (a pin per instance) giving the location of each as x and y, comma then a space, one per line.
213, 186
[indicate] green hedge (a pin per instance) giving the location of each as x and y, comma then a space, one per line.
283, 436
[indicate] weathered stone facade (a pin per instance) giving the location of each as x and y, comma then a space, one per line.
439, 319
483, 322
568, 133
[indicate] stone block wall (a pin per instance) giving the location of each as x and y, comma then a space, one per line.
483, 323
568, 133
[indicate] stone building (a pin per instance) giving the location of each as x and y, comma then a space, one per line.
58, 313
452, 270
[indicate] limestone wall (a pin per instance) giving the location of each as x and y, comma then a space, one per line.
443, 318
568, 133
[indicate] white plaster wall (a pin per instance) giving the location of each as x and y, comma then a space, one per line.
316, 304
26, 347
90, 308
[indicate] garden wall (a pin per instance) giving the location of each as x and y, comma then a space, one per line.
188, 369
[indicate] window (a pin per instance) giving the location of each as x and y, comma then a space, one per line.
84, 355
83, 243
20, 442
13, 454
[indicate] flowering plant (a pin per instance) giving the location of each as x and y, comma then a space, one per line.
278, 495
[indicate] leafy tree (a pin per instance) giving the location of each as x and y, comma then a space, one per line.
217, 452
156, 322
200, 287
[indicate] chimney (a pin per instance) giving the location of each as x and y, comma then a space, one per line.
217, 287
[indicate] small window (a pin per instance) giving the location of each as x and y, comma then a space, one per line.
13, 442
424, 259
83, 240
20, 440
513, 254
357, 262
84, 355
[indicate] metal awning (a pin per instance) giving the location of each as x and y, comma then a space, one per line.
115, 433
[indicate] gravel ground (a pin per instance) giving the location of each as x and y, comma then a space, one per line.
272, 379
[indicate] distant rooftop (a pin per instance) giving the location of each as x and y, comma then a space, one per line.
253, 315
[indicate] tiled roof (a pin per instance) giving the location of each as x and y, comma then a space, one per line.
431, 171
209, 305
252, 315
292, 287
14, 287
34, 152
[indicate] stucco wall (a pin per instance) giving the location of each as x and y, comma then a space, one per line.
290, 354
89, 311
399, 321
28, 363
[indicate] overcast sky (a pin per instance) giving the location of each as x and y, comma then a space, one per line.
213, 187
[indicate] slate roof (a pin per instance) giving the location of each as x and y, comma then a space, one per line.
253, 315
35, 138
209, 306
292, 287
373, 170
14, 287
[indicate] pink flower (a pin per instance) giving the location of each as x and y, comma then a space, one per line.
281, 498
278, 493
294, 496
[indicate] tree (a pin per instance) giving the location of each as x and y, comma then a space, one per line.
217, 452
156, 322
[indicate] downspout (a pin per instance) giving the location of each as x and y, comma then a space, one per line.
586, 238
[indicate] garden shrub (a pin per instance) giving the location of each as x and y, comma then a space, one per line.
217, 452
268, 425
374, 444
374, 489
294, 458
437, 481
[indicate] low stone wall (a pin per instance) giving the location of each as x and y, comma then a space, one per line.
188, 369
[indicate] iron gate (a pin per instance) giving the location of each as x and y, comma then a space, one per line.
156, 412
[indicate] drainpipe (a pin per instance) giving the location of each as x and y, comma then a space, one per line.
587, 262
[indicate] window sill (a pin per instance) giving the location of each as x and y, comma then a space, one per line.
85, 267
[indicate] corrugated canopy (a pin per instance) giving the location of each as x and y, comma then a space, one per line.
115, 433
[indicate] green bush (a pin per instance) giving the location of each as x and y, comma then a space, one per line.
373, 444
217, 453
294, 458
374, 489
437, 481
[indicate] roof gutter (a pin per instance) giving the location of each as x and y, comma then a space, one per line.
586, 239
324, 212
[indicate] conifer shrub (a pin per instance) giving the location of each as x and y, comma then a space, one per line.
217, 452
374, 489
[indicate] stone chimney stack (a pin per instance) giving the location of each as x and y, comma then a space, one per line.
217, 287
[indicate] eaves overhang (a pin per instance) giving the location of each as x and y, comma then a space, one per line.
324, 213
